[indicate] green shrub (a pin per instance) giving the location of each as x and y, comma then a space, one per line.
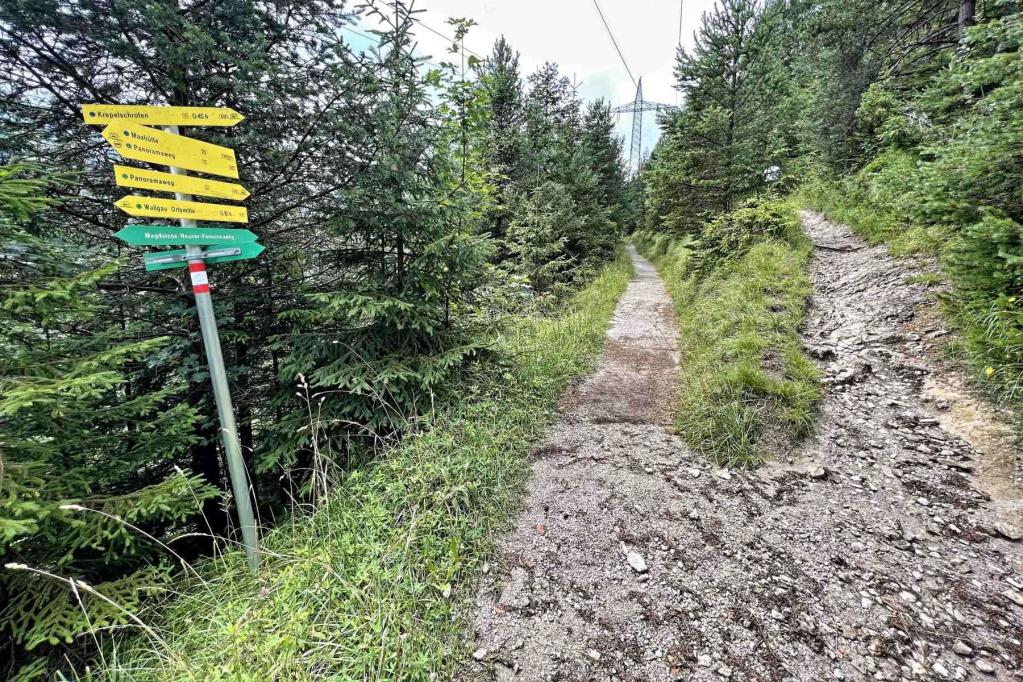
81, 455
856, 201
732, 234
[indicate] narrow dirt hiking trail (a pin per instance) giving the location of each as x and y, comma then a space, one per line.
871, 553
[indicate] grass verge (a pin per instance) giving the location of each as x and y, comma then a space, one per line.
747, 387
369, 586
869, 212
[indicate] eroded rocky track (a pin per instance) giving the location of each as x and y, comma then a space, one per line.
883, 549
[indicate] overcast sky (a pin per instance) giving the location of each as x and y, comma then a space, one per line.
570, 33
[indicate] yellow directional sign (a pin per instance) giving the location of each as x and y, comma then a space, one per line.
127, 176
171, 208
156, 146
102, 114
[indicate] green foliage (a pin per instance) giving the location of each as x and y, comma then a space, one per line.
371, 585
732, 234
82, 454
741, 293
851, 201
559, 182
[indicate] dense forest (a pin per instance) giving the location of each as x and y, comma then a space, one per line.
421, 219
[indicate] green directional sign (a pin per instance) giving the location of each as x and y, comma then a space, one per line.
166, 260
168, 235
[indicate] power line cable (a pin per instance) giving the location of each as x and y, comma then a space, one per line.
615, 43
447, 38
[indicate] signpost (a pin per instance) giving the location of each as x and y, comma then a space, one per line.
168, 235
140, 143
102, 114
140, 178
165, 260
180, 154
149, 207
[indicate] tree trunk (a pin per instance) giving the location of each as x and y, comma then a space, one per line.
206, 463
967, 16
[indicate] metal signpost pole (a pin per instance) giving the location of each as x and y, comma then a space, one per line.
221, 391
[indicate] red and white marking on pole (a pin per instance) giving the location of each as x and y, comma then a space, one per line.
200, 282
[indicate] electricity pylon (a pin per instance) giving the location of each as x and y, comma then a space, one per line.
636, 108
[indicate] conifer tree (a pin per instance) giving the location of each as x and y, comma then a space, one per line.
85, 454
503, 143
603, 150
717, 147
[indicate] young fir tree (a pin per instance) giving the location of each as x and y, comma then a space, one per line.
390, 290
503, 142
87, 457
552, 125
603, 151
563, 226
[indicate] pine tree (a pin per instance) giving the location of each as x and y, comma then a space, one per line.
387, 312
603, 150
552, 124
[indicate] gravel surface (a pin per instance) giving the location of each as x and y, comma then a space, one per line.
885, 548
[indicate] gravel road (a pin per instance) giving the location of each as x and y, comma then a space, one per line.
886, 547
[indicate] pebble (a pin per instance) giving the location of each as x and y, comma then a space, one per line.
636, 561
907, 596
1014, 596
1008, 531
984, 666
705, 660
962, 648
479, 654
